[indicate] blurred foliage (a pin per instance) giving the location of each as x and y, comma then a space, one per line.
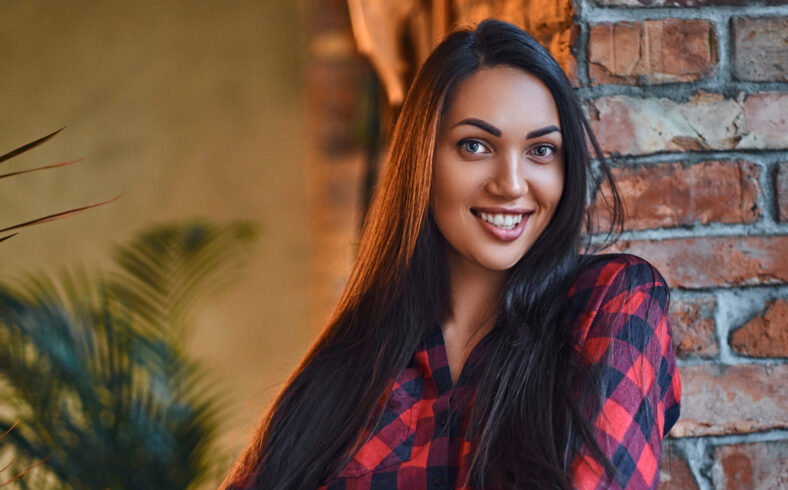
97, 389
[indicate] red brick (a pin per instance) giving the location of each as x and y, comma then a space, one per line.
765, 335
674, 471
767, 119
759, 49
708, 121
652, 51
673, 194
754, 465
735, 399
693, 326
332, 97
715, 261
571, 72
781, 190
677, 3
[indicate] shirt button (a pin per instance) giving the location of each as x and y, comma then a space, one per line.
438, 481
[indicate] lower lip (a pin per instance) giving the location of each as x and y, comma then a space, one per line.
505, 235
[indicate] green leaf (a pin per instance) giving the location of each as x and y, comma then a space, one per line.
104, 393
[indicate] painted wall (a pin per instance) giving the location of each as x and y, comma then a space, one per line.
188, 109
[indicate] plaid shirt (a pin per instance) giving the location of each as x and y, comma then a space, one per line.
420, 441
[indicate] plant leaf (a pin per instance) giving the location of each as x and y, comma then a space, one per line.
54, 165
105, 400
28, 146
60, 215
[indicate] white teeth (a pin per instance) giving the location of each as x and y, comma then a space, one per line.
503, 221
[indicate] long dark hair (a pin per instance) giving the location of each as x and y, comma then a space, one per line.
531, 408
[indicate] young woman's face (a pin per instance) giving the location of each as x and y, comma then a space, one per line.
498, 171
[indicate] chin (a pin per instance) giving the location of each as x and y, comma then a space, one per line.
499, 265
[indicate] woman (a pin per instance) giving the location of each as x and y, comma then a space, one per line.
473, 347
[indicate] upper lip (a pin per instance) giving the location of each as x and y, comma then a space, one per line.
498, 210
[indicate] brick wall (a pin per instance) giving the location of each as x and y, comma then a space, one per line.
690, 101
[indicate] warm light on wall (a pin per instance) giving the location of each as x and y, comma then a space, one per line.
380, 28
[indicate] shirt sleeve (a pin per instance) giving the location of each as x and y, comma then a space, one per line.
625, 333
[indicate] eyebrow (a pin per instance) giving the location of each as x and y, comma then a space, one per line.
541, 132
485, 126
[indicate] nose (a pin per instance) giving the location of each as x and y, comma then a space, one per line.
509, 179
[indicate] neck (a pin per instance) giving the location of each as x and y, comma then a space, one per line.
474, 294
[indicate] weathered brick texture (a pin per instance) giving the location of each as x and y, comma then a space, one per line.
732, 399
674, 471
674, 194
681, 3
781, 188
758, 465
716, 261
653, 51
766, 116
692, 321
767, 334
708, 121
760, 53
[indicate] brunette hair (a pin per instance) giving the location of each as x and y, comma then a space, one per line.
532, 403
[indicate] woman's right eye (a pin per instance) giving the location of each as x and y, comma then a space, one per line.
472, 146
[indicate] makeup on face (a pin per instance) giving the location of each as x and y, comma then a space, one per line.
498, 172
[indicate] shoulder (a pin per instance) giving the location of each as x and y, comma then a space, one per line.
624, 339
618, 271
616, 286
605, 277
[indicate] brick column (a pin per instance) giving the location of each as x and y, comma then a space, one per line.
336, 77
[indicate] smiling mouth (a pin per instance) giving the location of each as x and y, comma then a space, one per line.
503, 221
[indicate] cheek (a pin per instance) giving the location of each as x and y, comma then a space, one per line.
549, 186
448, 185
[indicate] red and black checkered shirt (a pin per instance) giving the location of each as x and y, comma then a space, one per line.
621, 307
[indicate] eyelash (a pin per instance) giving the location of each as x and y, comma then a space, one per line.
462, 145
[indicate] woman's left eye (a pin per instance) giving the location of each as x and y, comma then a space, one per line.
543, 151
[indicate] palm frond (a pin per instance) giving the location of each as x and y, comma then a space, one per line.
92, 369
165, 271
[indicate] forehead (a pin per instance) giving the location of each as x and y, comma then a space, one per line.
504, 96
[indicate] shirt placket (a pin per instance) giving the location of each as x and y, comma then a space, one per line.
448, 410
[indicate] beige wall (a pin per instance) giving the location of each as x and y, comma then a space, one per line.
188, 108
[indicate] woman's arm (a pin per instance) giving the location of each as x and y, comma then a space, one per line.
628, 337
